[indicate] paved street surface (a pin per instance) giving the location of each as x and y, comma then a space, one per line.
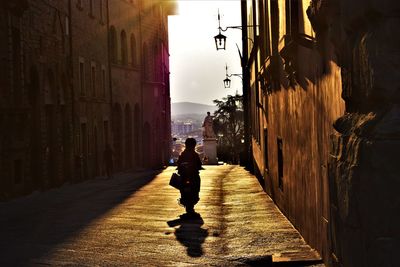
133, 220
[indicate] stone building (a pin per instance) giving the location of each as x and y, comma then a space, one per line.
80, 74
90, 79
155, 77
321, 83
35, 103
294, 97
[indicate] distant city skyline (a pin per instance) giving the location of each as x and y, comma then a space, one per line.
197, 68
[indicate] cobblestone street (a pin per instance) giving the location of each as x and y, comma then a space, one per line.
133, 220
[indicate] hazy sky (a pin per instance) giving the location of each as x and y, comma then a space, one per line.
197, 68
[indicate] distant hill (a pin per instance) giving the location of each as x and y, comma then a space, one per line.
182, 108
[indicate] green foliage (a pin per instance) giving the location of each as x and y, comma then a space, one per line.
229, 127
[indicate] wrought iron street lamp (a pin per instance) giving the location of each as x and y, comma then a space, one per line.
227, 81
220, 39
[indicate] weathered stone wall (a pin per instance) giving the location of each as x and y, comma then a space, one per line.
155, 72
35, 107
57, 131
92, 108
364, 170
300, 98
126, 79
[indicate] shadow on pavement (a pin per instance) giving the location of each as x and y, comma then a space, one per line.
267, 261
31, 227
190, 234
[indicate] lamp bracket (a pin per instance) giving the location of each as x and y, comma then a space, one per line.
232, 74
235, 27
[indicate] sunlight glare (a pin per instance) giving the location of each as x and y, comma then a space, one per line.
197, 69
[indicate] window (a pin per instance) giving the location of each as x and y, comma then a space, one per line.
133, 50
82, 77
265, 23
145, 62
66, 25
292, 18
50, 93
17, 64
93, 78
113, 44
280, 163
91, 4
103, 81
124, 49
84, 140
79, 4
105, 128
62, 90
266, 160
155, 62
101, 10
258, 112
274, 26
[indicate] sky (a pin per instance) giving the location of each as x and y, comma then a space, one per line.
197, 68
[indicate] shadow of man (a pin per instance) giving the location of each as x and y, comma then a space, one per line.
190, 234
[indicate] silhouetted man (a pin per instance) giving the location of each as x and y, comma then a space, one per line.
189, 165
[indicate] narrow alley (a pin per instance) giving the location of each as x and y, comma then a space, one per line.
133, 220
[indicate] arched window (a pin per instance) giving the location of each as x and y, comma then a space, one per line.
156, 62
113, 45
124, 48
17, 63
91, 7
133, 50
101, 10
145, 62
62, 90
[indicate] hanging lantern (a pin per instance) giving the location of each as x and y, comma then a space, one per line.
227, 83
220, 41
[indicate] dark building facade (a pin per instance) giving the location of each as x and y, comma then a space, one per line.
75, 78
364, 173
319, 81
294, 98
36, 118
90, 81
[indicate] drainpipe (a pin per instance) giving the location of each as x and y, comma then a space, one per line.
71, 84
142, 75
246, 85
109, 60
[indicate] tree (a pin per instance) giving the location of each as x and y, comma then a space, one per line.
229, 127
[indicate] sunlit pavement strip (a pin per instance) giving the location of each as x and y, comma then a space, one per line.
124, 221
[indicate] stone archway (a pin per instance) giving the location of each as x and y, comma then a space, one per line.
51, 130
148, 145
65, 126
128, 137
136, 136
96, 167
117, 136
